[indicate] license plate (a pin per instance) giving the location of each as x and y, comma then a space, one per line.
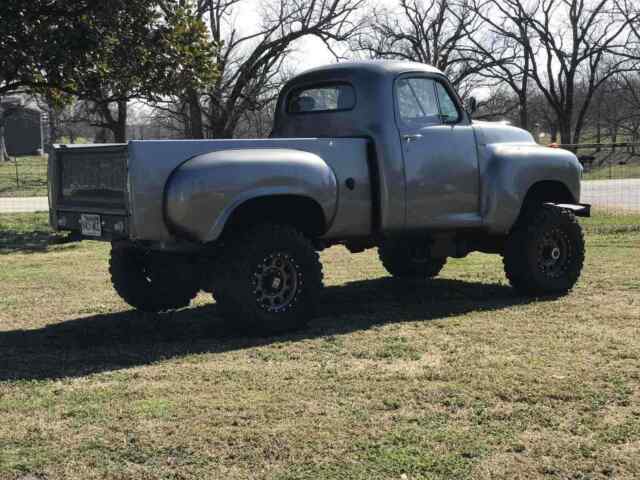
90, 225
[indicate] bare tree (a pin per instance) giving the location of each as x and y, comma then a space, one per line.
436, 32
256, 123
250, 64
174, 115
631, 89
502, 53
568, 60
616, 110
500, 105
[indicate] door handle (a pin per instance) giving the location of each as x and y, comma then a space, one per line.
412, 137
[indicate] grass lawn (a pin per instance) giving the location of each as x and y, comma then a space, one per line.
31, 178
458, 378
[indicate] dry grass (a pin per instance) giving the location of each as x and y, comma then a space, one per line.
458, 378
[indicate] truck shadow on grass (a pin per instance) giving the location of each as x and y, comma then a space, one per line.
12, 241
102, 343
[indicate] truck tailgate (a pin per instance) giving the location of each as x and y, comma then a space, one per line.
88, 179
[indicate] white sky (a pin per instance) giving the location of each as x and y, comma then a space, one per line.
309, 51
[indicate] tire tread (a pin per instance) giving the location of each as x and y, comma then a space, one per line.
235, 268
515, 260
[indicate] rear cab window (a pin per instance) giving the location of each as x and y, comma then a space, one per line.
322, 98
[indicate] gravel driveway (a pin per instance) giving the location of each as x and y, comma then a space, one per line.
615, 195
23, 204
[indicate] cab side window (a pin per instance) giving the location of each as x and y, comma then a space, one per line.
417, 103
448, 108
425, 101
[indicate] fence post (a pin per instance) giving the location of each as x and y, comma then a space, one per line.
17, 176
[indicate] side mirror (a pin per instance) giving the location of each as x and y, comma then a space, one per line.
471, 105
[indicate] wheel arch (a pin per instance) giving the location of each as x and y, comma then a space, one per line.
299, 211
554, 191
548, 191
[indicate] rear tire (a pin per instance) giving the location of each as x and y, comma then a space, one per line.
405, 259
149, 281
544, 253
271, 280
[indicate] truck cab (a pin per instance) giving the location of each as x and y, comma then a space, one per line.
422, 141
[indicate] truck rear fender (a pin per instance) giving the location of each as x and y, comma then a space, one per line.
208, 191
515, 174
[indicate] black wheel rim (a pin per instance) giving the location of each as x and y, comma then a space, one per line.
554, 253
276, 282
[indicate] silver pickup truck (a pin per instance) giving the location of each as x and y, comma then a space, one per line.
367, 154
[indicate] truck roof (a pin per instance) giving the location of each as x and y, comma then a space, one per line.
375, 67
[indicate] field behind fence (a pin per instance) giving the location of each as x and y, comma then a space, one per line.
611, 180
24, 177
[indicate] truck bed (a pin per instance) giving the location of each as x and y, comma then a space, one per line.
126, 182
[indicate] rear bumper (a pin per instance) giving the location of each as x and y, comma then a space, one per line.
114, 225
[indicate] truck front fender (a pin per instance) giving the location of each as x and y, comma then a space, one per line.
203, 192
510, 171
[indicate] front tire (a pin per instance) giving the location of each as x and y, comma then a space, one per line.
272, 277
544, 253
150, 281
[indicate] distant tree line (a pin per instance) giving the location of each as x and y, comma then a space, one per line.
569, 68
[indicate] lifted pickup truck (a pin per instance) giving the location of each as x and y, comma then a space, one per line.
369, 154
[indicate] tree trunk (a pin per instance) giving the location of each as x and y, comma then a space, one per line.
614, 137
524, 118
524, 113
101, 135
564, 125
120, 127
53, 124
195, 115
577, 134
218, 130
4, 156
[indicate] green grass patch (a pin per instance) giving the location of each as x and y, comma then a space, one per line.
24, 177
604, 223
25, 222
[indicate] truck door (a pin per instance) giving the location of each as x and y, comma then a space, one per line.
440, 157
